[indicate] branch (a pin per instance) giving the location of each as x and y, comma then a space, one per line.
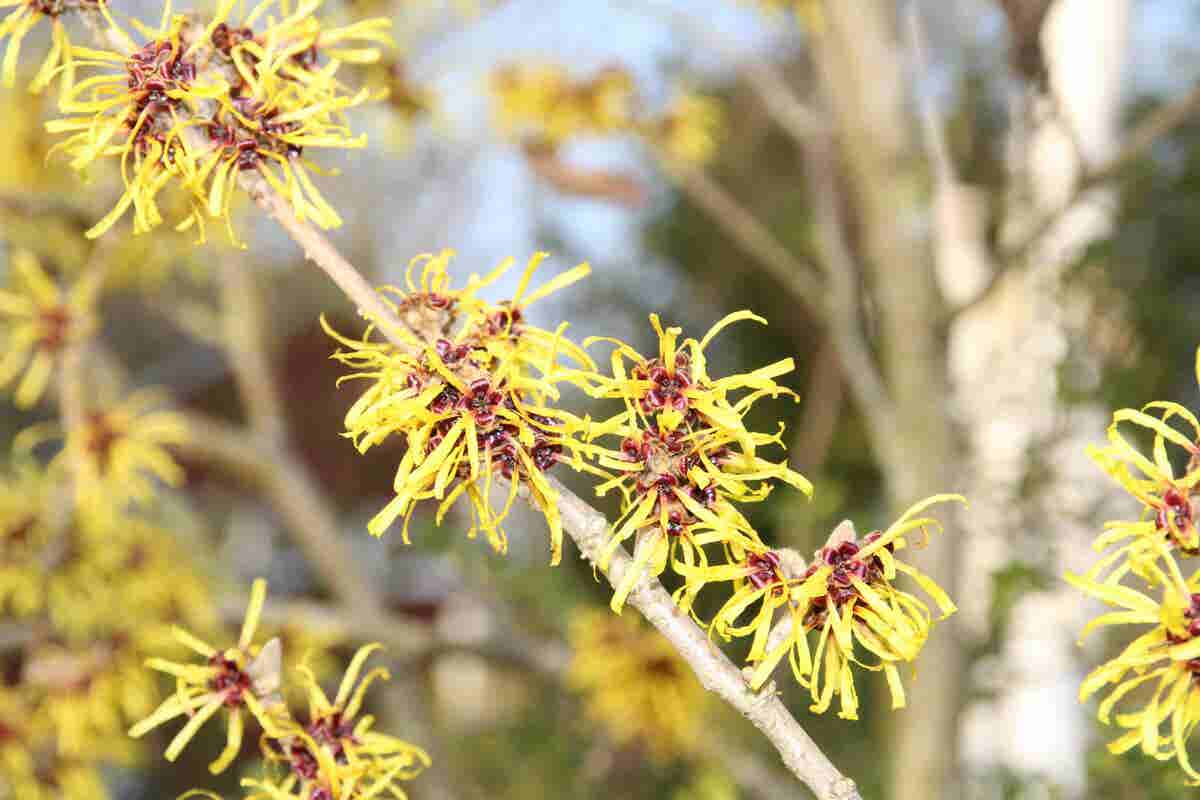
1157, 124
783, 106
290, 489
321, 252
823, 402
243, 338
844, 321
588, 528
716, 673
797, 277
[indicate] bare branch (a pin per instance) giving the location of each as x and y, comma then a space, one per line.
931, 121
243, 337
799, 278
823, 401
291, 490
318, 249
844, 314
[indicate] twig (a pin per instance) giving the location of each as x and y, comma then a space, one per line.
823, 400
243, 337
296, 497
799, 278
321, 252
931, 121
844, 305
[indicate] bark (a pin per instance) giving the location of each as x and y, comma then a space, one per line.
1007, 352
862, 70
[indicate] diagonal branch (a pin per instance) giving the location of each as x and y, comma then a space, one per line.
243, 338
295, 496
589, 528
844, 306
716, 673
799, 278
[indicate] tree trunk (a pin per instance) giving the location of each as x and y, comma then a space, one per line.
1032, 488
862, 70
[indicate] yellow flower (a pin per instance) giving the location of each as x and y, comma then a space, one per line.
685, 455
335, 752
1168, 518
240, 676
24, 18
40, 319
31, 765
540, 102
195, 111
86, 695
137, 107
25, 494
635, 685
846, 598
469, 394
283, 101
1166, 657
123, 450
689, 130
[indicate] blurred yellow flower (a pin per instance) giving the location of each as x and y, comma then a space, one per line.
688, 131
25, 534
39, 319
540, 102
635, 685
121, 451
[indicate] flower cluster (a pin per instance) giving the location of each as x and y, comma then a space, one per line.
846, 598
542, 102
542, 106
635, 684
469, 393
70, 578
333, 754
683, 457
472, 389
1154, 550
196, 106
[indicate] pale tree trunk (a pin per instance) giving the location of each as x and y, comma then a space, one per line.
862, 69
1006, 355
